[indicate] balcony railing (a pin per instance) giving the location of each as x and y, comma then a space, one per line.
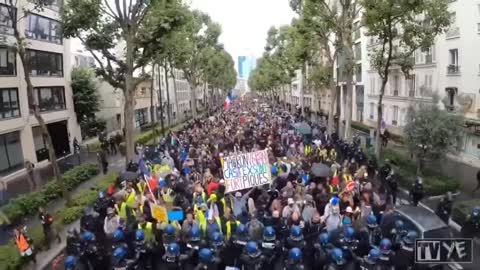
453, 69
395, 93
453, 32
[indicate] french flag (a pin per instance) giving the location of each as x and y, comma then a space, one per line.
227, 102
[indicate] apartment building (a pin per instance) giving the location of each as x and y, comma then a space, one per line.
449, 69
49, 54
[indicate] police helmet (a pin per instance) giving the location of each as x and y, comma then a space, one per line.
252, 249
205, 255
295, 254
349, 233
241, 229
139, 235
194, 233
385, 246
173, 249
296, 233
399, 225
476, 212
338, 256
269, 233
70, 262
347, 221
373, 256
324, 239
372, 221
274, 170
410, 237
217, 239
118, 235
119, 253
170, 230
88, 236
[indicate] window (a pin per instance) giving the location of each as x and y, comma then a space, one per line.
43, 28
7, 62
453, 18
372, 110
45, 63
411, 85
396, 85
478, 28
6, 20
358, 75
50, 98
141, 117
358, 51
395, 116
372, 86
9, 105
454, 57
356, 28
11, 156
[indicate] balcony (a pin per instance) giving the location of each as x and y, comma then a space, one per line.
453, 32
453, 70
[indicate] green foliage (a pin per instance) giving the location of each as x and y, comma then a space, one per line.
28, 204
218, 68
431, 132
462, 210
9, 256
85, 96
434, 183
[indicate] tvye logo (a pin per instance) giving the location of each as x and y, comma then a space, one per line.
446, 250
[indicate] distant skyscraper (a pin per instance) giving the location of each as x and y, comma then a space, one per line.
245, 66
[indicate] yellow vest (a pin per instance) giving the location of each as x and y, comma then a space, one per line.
141, 186
130, 198
333, 155
203, 226
149, 237
323, 153
307, 150
228, 225
347, 178
122, 211
167, 197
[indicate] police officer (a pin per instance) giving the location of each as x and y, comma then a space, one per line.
271, 248
295, 239
119, 240
385, 259
173, 259
207, 260
370, 261
89, 251
404, 257
397, 234
294, 261
252, 258
471, 227
392, 186
143, 251
119, 261
444, 207
369, 236
169, 236
321, 250
216, 243
416, 191
241, 236
337, 259
350, 244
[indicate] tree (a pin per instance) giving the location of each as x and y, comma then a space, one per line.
431, 132
137, 26
197, 34
85, 96
401, 28
332, 27
19, 46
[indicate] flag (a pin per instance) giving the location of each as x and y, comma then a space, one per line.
227, 102
143, 167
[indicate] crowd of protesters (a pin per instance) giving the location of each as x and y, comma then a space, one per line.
307, 218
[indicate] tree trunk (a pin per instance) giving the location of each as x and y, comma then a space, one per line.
332, 109
129, 105
35, 109
378, 142
160, 100
193, 99
172, 72
302, 91
152, 108
348, 109
205, 104
167, 90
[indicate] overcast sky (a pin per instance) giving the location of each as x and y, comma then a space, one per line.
245, 22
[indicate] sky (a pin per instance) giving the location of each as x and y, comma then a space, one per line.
245, 22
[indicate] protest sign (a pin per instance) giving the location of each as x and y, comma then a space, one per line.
175, 215
242, 171
159, 213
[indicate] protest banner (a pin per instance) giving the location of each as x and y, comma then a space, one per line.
159, 213
242, 171
175, 215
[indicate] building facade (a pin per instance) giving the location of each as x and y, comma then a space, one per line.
245, 66
450, 69
50, 62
